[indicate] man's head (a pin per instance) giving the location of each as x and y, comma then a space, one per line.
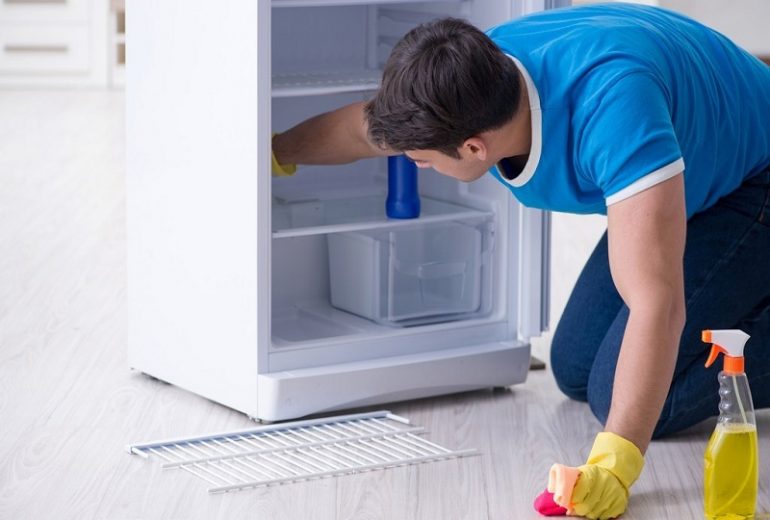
445, 86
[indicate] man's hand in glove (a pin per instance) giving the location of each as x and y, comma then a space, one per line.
281, 170
598, 489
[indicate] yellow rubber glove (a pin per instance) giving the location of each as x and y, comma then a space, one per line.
281, 170
602, 487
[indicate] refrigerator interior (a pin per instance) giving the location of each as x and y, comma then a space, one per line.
333, 249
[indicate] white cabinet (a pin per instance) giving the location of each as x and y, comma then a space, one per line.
44, 50
53, 43
51, 11
229, 274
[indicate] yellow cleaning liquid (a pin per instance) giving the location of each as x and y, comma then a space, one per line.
731, 472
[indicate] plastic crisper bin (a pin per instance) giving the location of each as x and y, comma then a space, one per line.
411, 276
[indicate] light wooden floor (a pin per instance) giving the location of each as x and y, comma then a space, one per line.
69, 405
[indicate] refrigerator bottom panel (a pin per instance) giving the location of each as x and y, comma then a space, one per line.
296, 393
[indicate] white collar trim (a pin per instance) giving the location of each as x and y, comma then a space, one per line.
536, 117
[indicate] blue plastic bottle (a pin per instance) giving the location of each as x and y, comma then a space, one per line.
403, 198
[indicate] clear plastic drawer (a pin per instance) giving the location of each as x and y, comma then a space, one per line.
417, 275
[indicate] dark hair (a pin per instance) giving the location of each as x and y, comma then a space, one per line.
444, 82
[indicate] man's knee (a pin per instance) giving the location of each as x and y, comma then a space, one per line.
568, 378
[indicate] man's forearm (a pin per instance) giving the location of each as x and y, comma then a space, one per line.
335, 137
645, 369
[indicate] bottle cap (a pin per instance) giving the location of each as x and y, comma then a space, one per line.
727, 342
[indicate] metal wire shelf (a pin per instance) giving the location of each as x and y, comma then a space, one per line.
298, 451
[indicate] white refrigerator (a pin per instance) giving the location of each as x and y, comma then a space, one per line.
283, 297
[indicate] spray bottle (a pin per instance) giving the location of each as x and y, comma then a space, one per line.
731, 466
403, 198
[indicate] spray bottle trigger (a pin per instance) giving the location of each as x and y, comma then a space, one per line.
715, 351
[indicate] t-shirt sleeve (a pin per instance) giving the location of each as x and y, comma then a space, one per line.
627, 143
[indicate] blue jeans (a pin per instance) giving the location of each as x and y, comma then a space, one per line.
727, 285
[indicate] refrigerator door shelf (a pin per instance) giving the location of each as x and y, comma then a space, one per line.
296, 393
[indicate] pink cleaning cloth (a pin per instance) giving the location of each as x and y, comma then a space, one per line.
561, 482
555, 500
545, 505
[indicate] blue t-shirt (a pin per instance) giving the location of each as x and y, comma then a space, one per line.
626, 96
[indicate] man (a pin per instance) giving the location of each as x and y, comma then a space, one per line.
634, 111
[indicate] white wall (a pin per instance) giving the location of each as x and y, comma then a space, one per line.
746, 22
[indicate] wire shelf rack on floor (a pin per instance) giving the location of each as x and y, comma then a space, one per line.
298, 451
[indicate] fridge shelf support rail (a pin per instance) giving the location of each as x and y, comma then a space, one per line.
298, 451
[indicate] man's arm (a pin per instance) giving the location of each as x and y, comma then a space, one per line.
336, 137
646, 235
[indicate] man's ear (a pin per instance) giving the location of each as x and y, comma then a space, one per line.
476, 148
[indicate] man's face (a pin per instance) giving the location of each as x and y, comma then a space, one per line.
467, 168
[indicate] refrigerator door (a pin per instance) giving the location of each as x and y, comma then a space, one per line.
197, 133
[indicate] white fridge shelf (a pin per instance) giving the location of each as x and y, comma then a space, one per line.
315, 217
332, 82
